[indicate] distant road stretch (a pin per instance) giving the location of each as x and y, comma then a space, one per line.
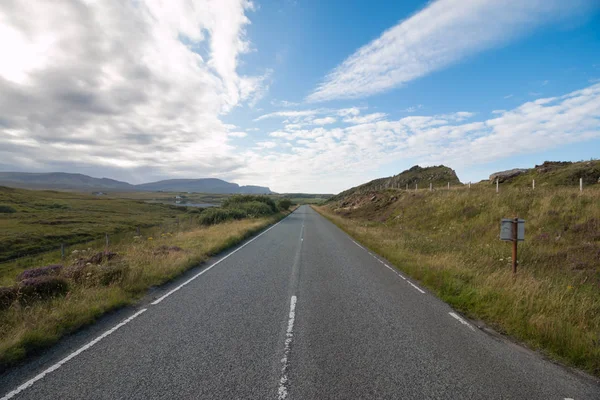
299, 312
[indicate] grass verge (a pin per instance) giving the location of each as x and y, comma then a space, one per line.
449, 242
94, 289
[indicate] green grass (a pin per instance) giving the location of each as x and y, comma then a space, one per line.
449, 240
44, 219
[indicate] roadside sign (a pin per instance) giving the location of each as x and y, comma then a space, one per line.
506, 229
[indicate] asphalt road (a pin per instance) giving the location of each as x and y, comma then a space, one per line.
299, 312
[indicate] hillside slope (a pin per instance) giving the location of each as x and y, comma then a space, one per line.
552, 173
438, 176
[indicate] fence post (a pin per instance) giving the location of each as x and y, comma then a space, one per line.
407, 186
497, 190
430, 186
448, 185
469, 185
581, 184
416, 186
533, 184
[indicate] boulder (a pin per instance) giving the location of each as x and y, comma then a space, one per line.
505, 175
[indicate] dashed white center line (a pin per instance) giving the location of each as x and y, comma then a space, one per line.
69, 357
282, 393
462, 321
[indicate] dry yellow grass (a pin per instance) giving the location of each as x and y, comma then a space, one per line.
141, 264
449, 241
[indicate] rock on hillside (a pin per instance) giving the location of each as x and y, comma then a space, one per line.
437, 175
506, 175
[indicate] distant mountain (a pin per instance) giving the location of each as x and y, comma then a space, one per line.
61, 180
438, 176
207, 185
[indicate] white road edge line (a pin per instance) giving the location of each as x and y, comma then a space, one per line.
70, 357
415, 286
282, 392
155, 302
462, 321
358, 245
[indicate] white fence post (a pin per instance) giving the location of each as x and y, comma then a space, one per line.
581, 184
448, 185
533, 184
430, 186
497, 189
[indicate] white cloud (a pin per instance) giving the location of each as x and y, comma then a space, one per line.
365, 119
266, 145
441, 34
238, 134
412, 109
334, 159
289, 114
117, 87
324, 121
508, 96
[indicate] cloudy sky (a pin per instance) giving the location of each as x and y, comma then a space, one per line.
297, 95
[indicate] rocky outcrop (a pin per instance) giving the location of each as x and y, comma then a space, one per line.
506, 175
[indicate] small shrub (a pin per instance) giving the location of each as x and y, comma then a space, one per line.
6, 209
77, 273
42, 271
42, 288
214, 216
164, 250
108, 274
284, 204
255, 209
7, 296
235, 201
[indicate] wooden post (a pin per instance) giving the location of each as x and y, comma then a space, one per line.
515, 240
407, 186
430, 186
533, 184
416, 186
448, 185
581, 184
497, 191
469, 185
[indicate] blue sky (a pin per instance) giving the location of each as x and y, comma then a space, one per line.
311, 96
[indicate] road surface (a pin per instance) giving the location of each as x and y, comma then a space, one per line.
299, 312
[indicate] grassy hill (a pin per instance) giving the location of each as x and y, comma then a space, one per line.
449, 240
553, 173
438, 176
